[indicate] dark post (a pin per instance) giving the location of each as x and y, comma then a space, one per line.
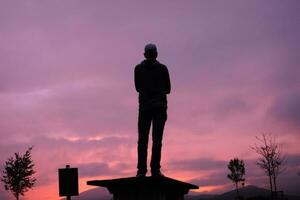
68, 197
68, 182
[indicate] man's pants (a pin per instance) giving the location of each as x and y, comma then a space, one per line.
157, 117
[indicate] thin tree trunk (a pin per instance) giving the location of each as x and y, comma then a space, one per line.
274, 183
269, 169
271, 185
275, 186
237, 189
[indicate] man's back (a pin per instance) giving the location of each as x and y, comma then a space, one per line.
153, 83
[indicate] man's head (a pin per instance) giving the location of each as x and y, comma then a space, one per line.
150, 51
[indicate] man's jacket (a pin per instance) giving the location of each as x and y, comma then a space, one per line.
152, 82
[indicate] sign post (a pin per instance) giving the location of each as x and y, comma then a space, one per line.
68, 182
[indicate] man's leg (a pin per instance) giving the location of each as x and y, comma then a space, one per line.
144, 123
159, 119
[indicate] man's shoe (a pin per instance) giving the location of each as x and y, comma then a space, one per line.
157, 174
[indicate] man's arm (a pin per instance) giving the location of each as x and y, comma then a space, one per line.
137, 81
167, 81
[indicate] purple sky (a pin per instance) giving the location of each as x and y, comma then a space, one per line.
66, 86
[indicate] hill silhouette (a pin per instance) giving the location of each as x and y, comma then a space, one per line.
94, 194
247, 192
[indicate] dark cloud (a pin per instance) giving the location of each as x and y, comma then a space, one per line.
293, 161
198, 164
93, 169
101, 169
213, 179
232, 106
289, 180
286, 110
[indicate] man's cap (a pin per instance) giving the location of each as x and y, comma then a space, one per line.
150, 48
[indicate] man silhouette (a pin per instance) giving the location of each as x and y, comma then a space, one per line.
152, 82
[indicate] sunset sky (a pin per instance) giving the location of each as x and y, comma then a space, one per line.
66, 87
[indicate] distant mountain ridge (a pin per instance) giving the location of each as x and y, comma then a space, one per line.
94, 194
246, 192
249, 191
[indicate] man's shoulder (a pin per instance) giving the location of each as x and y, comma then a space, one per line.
163, 66
138, 66
142, 64
160, 64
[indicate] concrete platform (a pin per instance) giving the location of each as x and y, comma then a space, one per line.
145, 188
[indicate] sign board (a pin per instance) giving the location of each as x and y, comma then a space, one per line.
68, 181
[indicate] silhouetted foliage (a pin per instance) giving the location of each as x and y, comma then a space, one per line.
271, 159
237, 172
18, 174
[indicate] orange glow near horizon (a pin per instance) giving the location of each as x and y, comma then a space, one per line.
49, 192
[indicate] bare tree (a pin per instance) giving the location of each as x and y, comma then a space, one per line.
237, 172
271, 159
18, 174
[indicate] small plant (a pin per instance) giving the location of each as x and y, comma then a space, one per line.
18, 172
237, 172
